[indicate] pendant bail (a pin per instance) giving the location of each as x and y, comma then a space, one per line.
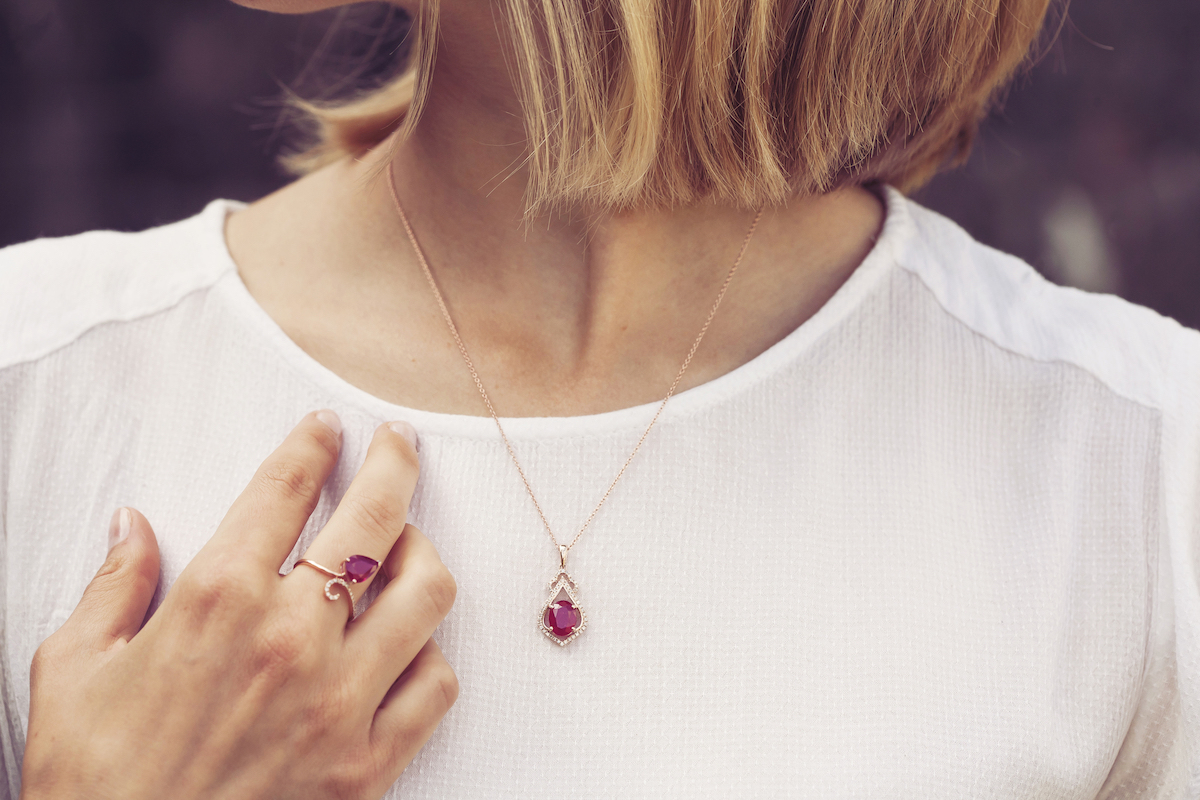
562, 555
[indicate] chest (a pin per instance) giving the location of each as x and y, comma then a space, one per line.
785, 619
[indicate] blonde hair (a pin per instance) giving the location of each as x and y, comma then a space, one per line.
665, 102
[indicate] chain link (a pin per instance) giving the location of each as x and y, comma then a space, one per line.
462, 348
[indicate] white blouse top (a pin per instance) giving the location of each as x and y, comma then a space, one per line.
941, 541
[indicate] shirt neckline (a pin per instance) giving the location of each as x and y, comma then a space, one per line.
897, 227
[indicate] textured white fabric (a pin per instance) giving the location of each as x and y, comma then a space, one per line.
942, 541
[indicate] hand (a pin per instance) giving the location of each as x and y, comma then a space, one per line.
246, 683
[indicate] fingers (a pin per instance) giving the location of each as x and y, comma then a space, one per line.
372, 513
266, 519
386, 637
114, 604
413, 707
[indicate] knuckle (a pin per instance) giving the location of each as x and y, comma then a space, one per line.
444, 686
440, 589
397, 446
328, 708
44, 659
111, 578
320, 436
121, 570
285, 644
317, 725
112, 566
377, 516
392, 748
350, 778
219, 586
291, 479
212, 586
407, 454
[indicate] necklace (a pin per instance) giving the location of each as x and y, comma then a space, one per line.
562, 618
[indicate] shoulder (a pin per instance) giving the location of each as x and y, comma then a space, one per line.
54, 290
1128, 356
1134, 352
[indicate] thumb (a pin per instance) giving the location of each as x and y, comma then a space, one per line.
114, 604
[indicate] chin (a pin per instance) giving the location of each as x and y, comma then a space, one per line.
292, 6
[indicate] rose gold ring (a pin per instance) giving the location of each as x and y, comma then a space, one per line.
355, 569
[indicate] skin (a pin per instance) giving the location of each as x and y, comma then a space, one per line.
246, 684
578, 313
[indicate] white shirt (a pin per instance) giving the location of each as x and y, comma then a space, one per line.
941, 541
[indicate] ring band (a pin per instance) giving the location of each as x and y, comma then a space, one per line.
355, 569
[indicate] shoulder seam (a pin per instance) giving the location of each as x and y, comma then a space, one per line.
69, 286
916, 274
1020, 324
133, 317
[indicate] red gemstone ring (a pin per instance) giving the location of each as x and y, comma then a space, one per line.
355, 569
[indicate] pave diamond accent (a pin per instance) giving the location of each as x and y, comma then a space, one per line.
332, 595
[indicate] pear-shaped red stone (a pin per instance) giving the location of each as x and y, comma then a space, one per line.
359, 568
562, 618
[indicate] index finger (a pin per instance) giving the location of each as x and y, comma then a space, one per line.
266, 519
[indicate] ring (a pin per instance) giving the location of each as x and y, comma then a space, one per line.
355, 569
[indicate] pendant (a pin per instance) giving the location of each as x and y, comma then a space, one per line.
562, 619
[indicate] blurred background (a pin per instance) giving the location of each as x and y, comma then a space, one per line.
126, 115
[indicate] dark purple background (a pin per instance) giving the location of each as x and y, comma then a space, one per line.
127, 114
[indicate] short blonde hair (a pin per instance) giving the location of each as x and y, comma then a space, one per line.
632, 103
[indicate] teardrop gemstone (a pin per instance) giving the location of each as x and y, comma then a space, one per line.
359, 568
562, 617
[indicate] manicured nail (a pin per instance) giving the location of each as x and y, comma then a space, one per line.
118, 528
331, 420
407, 431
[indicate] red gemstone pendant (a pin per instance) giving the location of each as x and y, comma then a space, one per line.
562, 619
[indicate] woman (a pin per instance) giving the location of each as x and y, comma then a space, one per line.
910, 522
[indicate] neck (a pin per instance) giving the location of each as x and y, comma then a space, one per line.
573, 312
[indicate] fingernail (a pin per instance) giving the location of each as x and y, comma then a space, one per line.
331, 420
407, 431
118, 528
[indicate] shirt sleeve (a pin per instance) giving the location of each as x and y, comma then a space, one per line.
1160, 756
12, 732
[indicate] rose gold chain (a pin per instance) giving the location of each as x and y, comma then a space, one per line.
462, 348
